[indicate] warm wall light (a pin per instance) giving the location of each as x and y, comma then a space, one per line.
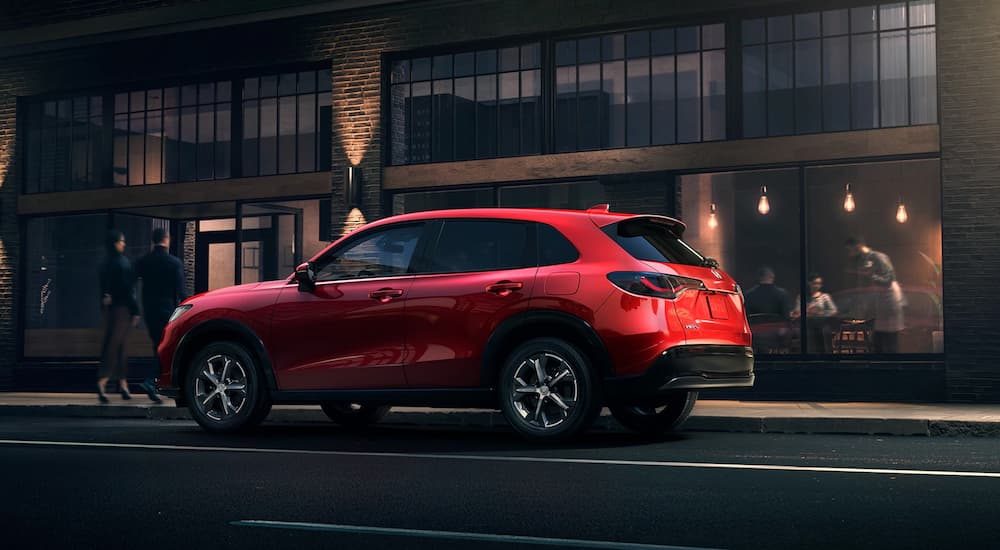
712, 221
901, 215
353, 181
848, 199
763, 206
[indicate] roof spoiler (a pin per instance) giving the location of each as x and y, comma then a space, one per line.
676, 226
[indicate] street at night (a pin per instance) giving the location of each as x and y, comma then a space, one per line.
166, 484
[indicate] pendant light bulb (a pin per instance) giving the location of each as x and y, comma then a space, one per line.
763, 206
901, 215
849, 199
712, 221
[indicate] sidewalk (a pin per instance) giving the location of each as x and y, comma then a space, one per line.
709, 415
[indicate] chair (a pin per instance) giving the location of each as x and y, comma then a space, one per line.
853, 336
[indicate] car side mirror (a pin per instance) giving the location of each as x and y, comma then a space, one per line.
711, 262
305, 275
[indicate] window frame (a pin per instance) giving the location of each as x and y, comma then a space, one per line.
104, 171
331, 253
436, 229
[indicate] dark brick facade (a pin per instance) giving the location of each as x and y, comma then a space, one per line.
969, 69
355, 43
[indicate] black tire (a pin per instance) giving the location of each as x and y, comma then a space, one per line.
578, 390
354, 415
249, 407
659, 420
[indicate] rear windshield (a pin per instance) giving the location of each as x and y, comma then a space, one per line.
653, 242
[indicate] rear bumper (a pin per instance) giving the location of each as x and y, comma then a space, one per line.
692, 367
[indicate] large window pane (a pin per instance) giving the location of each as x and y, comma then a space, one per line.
154, 147
714, 94
486, 116
923, 77
223, 140
864, 81
593, 108
754, 91
613, 93
465, 118
887, 293
206, 142
664, 105
836, 84
895, 88
510, 114
306, 144
638, 102
268, 136
400, 122
565, 115
761, 251
188, 144
688, 97
287, 119
531, 111
780, 93
251, 140
808, 116
443, 122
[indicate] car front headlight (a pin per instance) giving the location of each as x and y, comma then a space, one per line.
178, 311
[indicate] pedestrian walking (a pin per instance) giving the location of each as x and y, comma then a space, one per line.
121, 313
162, 277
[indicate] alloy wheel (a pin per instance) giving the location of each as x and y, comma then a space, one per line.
545, 390
221, 387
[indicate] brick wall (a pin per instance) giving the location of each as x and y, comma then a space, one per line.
969, 88
9, 243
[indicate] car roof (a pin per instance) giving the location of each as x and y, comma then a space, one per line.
598, 214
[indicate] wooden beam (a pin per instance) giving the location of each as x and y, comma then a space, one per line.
166, 194
714, 156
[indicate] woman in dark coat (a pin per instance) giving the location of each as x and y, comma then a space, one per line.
121, 313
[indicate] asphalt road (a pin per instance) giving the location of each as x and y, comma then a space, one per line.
92, 483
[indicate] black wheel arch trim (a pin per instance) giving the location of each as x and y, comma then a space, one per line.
224, 325
494, 351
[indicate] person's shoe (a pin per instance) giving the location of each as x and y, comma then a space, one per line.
102, 398
150, 390
125, 394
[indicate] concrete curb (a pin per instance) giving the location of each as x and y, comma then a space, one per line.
494, 420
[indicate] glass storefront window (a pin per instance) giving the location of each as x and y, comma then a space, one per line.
420, 201
62, 315
870, 282
756, 241
879, 260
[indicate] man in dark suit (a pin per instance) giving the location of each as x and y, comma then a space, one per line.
162, 277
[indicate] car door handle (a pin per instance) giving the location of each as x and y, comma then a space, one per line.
504, 288
385, 294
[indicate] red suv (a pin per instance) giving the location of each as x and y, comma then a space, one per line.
544, 314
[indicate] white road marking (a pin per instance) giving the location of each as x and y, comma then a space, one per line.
456, 535
505, 458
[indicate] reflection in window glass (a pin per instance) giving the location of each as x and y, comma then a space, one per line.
481, 245
887, 292
865, 67
379, 254
458, 116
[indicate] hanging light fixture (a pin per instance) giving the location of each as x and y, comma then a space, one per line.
713, 222
848, 199
901, 215
763, 206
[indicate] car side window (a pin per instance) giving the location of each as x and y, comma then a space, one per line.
481, 245
554, 248
381, 253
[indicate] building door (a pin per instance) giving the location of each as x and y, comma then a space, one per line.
260, 260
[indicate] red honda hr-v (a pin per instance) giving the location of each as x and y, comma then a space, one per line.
545, 314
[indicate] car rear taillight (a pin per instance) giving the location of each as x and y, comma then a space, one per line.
657, 285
